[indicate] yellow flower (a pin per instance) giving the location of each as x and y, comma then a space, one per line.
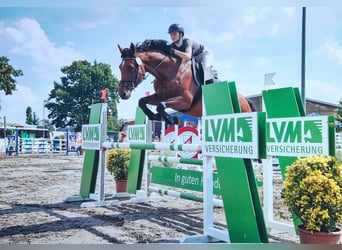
312, 191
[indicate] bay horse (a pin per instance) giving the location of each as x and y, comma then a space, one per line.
174, 84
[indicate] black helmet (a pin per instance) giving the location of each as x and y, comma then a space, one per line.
176, 28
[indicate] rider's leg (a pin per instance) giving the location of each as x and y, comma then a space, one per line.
207, 60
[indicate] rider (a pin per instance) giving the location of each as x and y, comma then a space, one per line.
187, 49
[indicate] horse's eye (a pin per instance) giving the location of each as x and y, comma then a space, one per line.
130, 68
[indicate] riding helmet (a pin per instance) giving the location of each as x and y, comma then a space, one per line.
176, 28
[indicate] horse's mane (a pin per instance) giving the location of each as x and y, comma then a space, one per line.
154, 44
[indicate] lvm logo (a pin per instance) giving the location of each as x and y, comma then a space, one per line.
297, 136
234, 135
136, 133
91, 136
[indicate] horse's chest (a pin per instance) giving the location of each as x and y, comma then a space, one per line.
168, 89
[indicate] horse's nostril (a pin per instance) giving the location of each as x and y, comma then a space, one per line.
124, 95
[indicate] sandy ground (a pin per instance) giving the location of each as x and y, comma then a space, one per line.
32, 209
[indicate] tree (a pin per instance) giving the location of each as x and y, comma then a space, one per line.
35, 119
7, 74
338, 117
80, 87
45, 123
29, 116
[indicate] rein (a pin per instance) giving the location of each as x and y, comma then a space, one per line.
155, 68
139, 63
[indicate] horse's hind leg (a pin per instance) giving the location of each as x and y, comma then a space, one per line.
167, 118
143, 105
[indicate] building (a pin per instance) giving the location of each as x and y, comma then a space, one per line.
313, 107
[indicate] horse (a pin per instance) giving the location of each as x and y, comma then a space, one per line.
174, 84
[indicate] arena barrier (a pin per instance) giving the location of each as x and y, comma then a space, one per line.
16, 146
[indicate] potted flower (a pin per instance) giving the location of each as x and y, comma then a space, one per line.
313, 193
117, 164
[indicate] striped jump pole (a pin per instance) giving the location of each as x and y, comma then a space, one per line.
183, 195
155, 146
216, 202
175, 159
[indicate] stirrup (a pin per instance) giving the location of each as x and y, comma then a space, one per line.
209, 81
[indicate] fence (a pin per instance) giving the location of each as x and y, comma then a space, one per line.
14, 147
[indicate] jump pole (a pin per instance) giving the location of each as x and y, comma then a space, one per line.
216, 202
184, 195
155, 146
175, 159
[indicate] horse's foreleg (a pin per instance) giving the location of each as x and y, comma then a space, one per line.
143, 105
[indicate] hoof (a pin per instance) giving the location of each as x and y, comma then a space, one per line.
160, 108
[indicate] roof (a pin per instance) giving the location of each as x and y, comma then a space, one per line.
307, 99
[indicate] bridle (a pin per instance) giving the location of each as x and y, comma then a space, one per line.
139, 75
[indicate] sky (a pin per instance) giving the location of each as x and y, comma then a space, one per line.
248, 41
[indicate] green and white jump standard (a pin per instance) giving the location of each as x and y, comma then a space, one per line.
290, 135
232, 141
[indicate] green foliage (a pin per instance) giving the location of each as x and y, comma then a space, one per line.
80, 87
117, 162
313, 191
46, 124
29, 116
7, 74
338, 116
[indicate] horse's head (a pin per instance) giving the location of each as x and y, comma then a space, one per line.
132, 71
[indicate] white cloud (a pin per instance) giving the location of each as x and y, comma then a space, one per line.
323, 91
331, 50
29, 39
289, 11
210, 40
41, 59
261, 62
88, 25
275, 29
225, 70
14, 106
254, 15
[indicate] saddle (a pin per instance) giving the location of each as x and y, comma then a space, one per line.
198, 73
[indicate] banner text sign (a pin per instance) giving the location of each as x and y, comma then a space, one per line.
297, 136
137, 133
233, 135
91, 136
